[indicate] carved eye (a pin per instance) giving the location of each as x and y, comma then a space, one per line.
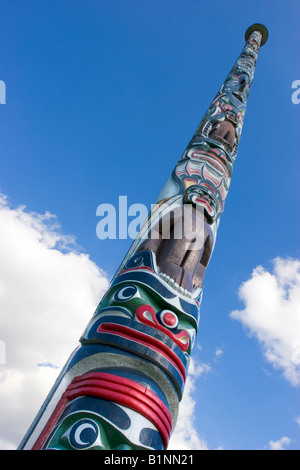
125, 293
169, 319
83, 434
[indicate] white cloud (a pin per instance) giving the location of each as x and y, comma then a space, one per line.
297, 419
279, 445
272, 314
219, 352
185, 436
48, 293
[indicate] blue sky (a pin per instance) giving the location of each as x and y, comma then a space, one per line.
101, 99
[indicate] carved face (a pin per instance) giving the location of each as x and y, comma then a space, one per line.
198, 195
143, 315
140, 305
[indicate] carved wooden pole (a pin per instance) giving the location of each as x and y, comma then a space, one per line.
122, 386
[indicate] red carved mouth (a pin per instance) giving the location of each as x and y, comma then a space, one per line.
146, 340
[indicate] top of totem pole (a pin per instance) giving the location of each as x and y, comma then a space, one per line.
258, 27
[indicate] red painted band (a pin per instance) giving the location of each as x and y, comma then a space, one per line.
134, 386
50, 423
103, 384
135, 269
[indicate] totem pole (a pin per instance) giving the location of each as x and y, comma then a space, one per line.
121, 388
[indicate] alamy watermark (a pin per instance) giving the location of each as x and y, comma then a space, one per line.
296, 94
162, 222
2, 92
